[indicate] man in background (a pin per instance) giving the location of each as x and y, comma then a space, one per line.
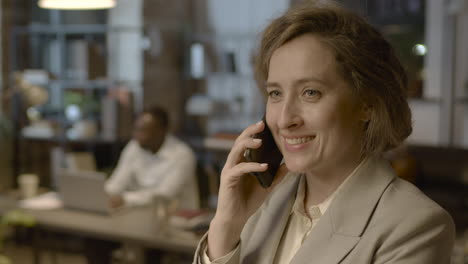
153, 165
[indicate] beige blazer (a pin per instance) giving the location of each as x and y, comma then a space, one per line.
376, 217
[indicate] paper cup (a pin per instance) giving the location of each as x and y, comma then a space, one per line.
28, 185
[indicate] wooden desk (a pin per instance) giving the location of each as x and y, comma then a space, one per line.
135, 226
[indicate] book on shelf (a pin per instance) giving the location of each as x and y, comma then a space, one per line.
117, 115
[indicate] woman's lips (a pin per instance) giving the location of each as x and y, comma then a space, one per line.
298, 140
297, 143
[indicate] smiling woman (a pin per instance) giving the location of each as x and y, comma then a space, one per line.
315, 118
335, 102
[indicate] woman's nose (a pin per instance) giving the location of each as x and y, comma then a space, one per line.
290, 115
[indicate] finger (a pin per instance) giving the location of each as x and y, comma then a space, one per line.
252, 129
234, 174
243, 142
238, 151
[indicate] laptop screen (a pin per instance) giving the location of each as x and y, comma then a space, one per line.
83, 190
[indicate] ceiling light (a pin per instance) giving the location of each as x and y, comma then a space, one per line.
419, 49
76, 4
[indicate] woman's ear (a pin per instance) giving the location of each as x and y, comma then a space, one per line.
366, 113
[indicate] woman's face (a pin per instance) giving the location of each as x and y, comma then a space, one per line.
314, 117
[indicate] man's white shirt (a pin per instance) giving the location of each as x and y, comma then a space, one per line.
170, 173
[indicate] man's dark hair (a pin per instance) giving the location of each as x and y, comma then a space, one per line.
158, 113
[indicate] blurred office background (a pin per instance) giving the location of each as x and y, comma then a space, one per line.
73, 80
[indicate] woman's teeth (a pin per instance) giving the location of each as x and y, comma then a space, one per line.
295, 141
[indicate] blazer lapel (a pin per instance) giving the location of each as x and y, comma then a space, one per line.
342, 225
269, 229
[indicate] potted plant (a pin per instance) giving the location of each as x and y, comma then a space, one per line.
16, 218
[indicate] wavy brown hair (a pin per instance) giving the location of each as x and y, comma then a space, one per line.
365, 60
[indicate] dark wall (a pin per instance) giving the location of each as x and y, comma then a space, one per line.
443, 176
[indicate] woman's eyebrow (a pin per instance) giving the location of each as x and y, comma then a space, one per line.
308, 80
296, 82
271, 85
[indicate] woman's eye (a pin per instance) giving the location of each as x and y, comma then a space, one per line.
312, 93
274, 93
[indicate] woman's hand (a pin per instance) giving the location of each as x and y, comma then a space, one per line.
240, 194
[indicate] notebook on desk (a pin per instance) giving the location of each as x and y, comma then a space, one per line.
83, 190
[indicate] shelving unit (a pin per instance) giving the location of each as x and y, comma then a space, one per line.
227, 80
224, 80
54, 40
424, 100
435, 115
462, 100
74, 56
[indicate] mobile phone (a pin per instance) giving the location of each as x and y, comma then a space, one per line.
269, 153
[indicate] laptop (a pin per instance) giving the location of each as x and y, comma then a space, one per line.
83, 190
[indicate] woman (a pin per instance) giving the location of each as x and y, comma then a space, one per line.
335, 102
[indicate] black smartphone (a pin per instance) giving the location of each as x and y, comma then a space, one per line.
269, 153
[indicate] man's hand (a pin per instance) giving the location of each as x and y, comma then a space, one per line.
116, 201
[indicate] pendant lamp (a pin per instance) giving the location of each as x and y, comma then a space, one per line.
76, 4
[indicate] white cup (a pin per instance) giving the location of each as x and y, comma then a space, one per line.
163, 209
28, 185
